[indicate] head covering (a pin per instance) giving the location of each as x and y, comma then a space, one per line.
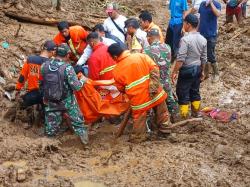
153, 32
62, 25
111, 7
192, 19
49, 45
62, 50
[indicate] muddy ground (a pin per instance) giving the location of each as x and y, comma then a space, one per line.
205, 154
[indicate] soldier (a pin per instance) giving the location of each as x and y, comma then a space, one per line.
59, 81
161, 54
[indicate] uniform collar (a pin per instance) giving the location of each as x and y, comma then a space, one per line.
151, 25
124, 55
156, 43
97, 46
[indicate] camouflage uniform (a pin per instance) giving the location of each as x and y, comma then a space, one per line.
53, 112
161, 54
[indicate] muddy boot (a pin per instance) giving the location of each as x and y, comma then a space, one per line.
195, 107
215, 77
207, 71
84, 137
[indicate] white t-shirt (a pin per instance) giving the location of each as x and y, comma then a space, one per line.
110, 27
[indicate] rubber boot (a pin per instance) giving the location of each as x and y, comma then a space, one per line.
207, 70
84, 137
184, 109
195, 107
215, 77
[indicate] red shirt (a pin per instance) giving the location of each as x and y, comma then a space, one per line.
100, 63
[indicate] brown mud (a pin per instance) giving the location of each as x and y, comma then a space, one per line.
205, 154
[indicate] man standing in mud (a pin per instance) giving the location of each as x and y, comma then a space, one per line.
190, 62
209, 13
161, 54
59, 81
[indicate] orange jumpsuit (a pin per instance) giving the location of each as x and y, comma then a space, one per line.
30, 73
76, 41
132, 75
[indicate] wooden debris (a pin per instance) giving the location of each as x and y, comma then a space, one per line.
123, 123
49, 21
184, 122
238, 34
18, 30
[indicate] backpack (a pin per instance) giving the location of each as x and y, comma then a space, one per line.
53, 81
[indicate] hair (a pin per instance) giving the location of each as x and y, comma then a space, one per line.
115, 50
132, 22
92, 35
192, 20
98, 27
146, 16
62, 25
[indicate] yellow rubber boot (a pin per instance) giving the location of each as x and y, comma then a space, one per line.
184, 109
195, 106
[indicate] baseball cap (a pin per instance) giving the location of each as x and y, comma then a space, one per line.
192, 19
111, 7
62, 50
153, 32
49, 45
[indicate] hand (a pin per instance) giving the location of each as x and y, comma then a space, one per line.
202, 76
16, 94
173, 77
83, 78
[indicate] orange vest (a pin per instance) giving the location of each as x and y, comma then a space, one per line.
154, 26
31, 73
132, 76
77, 42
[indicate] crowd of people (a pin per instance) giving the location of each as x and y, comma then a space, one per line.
126, 65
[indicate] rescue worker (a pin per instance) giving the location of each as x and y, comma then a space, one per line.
67, 104
31, 72
74, 36
146, 22
137, 76
56, 4
136, 38
161, 54
100, 62
115, 22
190, 63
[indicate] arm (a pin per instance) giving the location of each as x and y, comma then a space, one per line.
85, 56
83, 34
72, 79
23, 76
216, 11
58, 39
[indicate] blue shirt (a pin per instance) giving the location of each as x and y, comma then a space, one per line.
177, 7
233, 3
208, 20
